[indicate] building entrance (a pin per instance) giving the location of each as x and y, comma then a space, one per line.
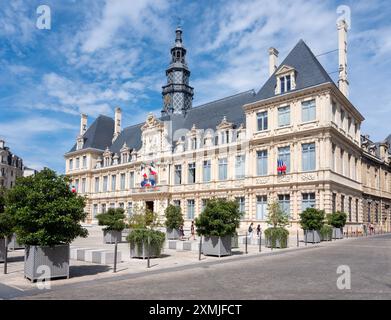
149, 205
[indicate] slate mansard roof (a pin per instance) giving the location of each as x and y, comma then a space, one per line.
309, 72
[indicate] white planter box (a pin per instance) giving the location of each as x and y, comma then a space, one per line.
52, 261
172, 234
142, 251
312, 236
111, 236
217, 246
337, 233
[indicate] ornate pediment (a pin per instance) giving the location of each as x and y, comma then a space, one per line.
193, 131
107, 152
224, 124
151, 122
284, 69
124, 148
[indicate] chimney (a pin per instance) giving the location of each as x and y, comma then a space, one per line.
83, 124
117, 124
343, 83
383, 151
273, 55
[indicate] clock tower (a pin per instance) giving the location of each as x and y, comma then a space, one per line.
177, 94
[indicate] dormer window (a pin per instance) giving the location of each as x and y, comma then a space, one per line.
286, 81
194, 143
225, 137
79, 143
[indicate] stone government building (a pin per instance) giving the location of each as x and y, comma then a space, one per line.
11, 166
230, 148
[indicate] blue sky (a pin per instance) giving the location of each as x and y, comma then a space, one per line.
100, 54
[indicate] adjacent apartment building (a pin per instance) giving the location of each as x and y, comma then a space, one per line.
11, 166
297, 140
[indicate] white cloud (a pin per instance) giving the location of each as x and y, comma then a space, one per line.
16, 22
141, 16
32, 126
238, 35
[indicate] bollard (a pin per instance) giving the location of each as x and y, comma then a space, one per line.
305, 237
351, 232
115, 255
246, 244
199, 249
5, 255
260, 242
149, 245
297, 236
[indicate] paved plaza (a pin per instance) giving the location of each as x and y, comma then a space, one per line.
305, 272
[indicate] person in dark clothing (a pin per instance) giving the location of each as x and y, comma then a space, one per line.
181, 232
259, 230
250, 230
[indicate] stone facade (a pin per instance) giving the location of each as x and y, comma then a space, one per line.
299, 118
11, 166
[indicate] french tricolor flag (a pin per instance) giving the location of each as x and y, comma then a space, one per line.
281, 166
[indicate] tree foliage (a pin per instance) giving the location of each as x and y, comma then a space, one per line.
326, 232
143, 219
6, 225
278, 219
45, 211
174, 218
312, 219
113, 219
276, 216
337, 219
2, 199
219, 218
275, 234
139, 236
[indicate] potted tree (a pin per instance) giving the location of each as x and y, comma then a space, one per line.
174, 220
326, 232
276, 236
144, 240
218, 223
47, 216
312, 220
114, 222
337, 220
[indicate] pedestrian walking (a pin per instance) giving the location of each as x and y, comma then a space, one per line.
192, 231
259, 230
181, 232
250, 230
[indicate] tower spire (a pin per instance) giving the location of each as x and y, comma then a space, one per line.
177, 94
178, 33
